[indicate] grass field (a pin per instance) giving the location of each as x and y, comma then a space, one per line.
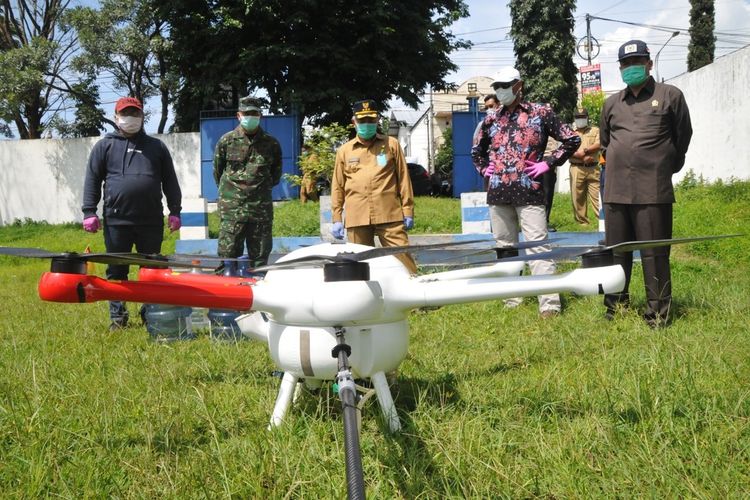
495, 403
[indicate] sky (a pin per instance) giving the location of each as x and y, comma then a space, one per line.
489, 22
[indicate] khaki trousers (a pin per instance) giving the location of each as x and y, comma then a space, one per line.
584, 187
390, 234
505, 220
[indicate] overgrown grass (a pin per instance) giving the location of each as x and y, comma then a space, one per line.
495, 403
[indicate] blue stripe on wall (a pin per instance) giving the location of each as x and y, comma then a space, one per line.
475, 214
194, 219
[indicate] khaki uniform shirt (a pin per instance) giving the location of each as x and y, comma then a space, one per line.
371, 182
589, 137
645, 139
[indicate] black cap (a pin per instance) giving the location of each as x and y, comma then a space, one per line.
250, 103
365, 109
581, 113
633, 48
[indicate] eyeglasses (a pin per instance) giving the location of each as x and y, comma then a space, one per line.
503, 85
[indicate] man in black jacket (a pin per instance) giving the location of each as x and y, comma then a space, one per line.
135, 169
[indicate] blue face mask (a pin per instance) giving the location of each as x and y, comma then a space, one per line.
367, 130
634, 75
250, 123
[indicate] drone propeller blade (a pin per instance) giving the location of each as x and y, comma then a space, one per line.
573, 252
373, 253
35, 253
557, 253
102, 258
629, 246
522, 245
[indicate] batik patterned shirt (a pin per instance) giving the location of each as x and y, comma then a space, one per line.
506, 139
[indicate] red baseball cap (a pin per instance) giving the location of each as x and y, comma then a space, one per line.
127, 102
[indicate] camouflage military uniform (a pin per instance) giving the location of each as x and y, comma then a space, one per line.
246, 167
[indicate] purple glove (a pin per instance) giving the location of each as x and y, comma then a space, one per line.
489, 170
91, 224
535, 169
337, 230
409, 223
174, 223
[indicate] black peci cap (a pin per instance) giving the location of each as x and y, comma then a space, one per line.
365, 109
633, 48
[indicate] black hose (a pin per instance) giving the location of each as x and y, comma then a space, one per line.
355, 483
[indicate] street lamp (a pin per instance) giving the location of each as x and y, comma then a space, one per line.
656, 59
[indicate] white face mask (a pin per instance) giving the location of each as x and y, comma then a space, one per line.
582, 122
129, 124
505, 96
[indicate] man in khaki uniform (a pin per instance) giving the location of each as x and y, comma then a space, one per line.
371, 181
584, 169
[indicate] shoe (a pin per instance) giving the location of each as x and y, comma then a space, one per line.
116, 326
609, 315
655, 322
551, 229
549, 313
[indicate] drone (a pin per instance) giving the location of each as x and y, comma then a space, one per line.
335, 312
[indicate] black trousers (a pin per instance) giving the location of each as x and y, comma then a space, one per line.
146, 239
549, 179
637, 223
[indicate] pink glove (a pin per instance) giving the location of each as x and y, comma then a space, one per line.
535, 169
91, 224
174, 223
489, 170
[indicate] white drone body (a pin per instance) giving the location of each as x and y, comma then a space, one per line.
301, 311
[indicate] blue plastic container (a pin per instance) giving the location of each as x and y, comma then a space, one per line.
223, 325
168, 323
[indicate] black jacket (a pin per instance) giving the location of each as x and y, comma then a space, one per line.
135, 171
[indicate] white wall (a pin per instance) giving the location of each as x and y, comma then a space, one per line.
720, 112
43, 179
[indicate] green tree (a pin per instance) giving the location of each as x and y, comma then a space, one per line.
544, 45
317, 160
444, 156
593, 103
702, 39
89, 120
314, 56
34, 53
127, 40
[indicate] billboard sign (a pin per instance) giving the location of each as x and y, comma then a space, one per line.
591, 78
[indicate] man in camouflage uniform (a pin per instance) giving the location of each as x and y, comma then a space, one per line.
247, 164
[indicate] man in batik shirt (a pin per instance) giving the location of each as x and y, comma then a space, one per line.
508, 149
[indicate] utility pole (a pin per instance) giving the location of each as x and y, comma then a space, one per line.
430, 135
588, 38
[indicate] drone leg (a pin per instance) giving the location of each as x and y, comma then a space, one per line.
283, 400
386, 401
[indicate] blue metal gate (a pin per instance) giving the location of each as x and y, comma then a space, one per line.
285, 128
465, 177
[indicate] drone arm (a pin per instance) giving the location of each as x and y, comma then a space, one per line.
590, 281
79, 288
495, 270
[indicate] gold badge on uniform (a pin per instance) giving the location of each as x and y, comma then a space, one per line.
654, 103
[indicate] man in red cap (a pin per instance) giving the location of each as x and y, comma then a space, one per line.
135, 169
